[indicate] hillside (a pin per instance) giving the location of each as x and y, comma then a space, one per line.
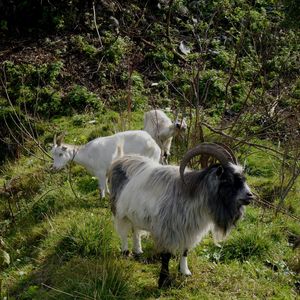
90, 69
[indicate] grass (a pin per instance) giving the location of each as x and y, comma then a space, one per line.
63, 245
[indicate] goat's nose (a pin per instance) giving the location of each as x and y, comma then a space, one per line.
250, 195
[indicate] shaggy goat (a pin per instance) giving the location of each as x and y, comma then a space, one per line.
97, 155
162, 130
178, 208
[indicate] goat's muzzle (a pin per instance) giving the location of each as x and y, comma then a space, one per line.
248, 199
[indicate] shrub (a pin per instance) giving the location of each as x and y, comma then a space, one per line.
115, 48
82, 45
33, 87
79, 98
215, 82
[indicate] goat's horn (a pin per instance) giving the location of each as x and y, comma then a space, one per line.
54, 139
216, 150
60, 139
229, 151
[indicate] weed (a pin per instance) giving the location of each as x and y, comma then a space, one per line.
44, 207
84, 278
242, 247
90, 237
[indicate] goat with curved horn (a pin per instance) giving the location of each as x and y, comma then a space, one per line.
146, 196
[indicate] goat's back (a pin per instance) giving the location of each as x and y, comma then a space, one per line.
100, 152
131, 141
139, 142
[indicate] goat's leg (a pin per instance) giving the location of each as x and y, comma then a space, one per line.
106, 186
137, 245
164, 276
102, 185
183, 265
123, 227
164, 158
167, 148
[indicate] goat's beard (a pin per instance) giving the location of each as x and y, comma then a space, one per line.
219, 234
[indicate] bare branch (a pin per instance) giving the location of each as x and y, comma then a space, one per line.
96, 26
243, 141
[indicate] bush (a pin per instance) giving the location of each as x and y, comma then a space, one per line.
82, 45
80, 99
32, 88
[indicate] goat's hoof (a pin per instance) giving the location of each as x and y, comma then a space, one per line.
164, 281
186, 273
138, 256
125, 253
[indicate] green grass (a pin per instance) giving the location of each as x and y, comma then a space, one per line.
63, 244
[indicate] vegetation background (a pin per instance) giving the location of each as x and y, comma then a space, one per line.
92, 68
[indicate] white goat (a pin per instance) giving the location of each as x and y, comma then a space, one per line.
178, 208
162, 130
97, 155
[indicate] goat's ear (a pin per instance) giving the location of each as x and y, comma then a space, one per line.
219, 171
63, 148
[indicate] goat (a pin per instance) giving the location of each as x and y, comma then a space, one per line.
178, 208
97, 155
162, 130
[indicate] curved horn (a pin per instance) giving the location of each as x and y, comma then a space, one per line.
229, 150
216, 150
60, 139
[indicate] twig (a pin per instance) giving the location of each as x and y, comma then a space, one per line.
96, 26
169, 19
240, 140
173, 86
22, 128
277, 208
17, 141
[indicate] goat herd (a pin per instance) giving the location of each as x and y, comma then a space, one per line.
178, 207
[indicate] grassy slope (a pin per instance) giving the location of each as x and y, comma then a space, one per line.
64, 245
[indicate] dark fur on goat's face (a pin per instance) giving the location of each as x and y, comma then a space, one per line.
232, 194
